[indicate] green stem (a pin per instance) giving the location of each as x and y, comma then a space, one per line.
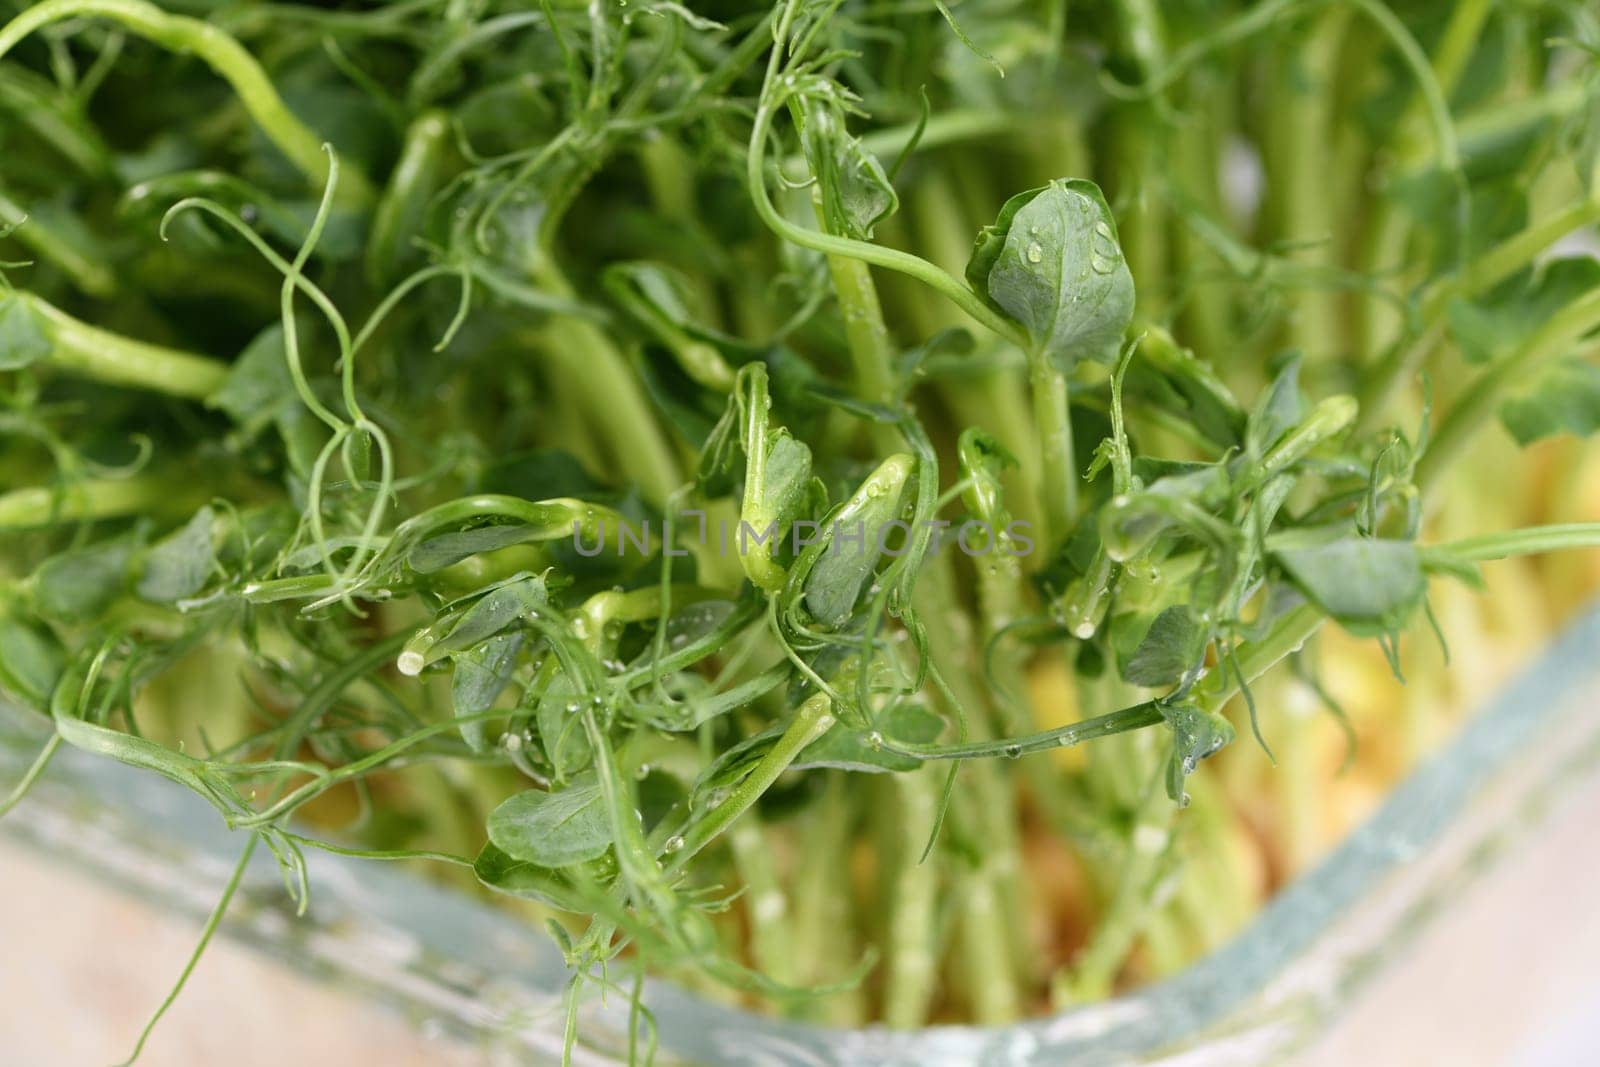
871, 350
1135, 717
828, 244
1303, 134
813, 719
912, 964
1529, 541
1390, 229
85, 501
985, 953
612, 396
1486, 271
1096, 967
31, 775
415, 178
79, 348
1560, 333
213, 921
1052, 411
823, 916
771, 943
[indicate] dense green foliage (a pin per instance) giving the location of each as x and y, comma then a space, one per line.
368, 359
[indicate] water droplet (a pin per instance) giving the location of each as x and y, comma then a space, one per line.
642, 771
573, 709
1013, 751
673, 844
1083, 630
875, 740
1104, 254
1036, 252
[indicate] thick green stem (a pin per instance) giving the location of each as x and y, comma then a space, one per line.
1095, 969
1488, 270
1559, 335
912, 964
1052, 411
871, 350
1302, 135
88, 500
1530, 541
79, 348
613, 398
398, 216
823, 915
811, 721
771, 942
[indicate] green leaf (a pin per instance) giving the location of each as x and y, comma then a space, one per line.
561, 732
22, 337
494, 611
785, 483
695, 702
480, 675
1279, 410
258, 387
178, 565
77, 585
554, 829
1196, 734
1052, 262
1565, 399
437, 553
1493, 326
31, 660
851, 542
855, 191
1171, 377
1369, 586
1496, 209
850, 749
1170, 649
558, 889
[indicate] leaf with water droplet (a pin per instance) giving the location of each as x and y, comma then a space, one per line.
1052, 262
843, 561
862, 749
437, 553
1196, 734
494, 611
561, 732
481, 673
